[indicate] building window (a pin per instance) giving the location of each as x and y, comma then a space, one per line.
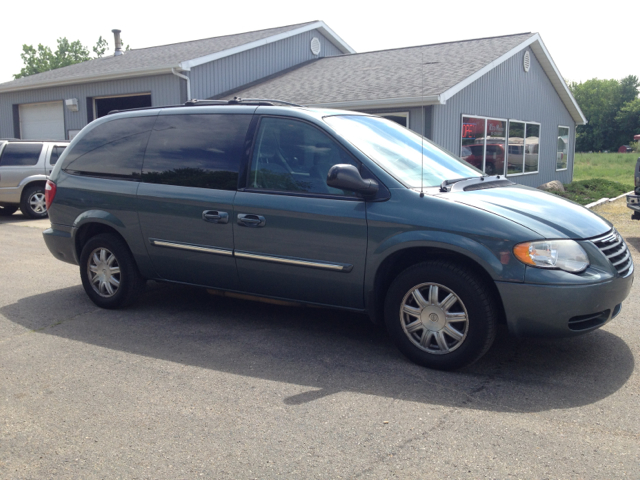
401, 118
483, 143
562, 157
523, 147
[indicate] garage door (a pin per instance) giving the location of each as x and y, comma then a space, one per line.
42, 121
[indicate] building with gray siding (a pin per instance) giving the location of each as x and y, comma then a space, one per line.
500, 102
58, 103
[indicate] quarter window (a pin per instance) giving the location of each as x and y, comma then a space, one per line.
55, 154
293, 156
113, 149
20, 154
196, 150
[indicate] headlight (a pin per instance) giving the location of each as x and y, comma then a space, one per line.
563, 254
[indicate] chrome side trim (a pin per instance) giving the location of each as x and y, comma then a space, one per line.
291, 261
194, 248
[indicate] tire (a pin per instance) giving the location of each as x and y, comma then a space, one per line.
32, 203
440, 315
490, 169
7, 211
110, 289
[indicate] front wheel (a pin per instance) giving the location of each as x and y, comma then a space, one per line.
440, 315
109, 273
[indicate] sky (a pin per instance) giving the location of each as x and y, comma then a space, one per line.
585, 43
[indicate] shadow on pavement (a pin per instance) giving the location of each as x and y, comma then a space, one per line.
330, 351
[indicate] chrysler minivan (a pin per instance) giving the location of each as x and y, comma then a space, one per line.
330, 208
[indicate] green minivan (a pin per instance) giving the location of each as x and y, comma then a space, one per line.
331, 208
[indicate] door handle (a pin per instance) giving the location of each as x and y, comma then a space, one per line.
250, 220
214, 216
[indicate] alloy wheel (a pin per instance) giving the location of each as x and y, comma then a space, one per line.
104, 272
434, 318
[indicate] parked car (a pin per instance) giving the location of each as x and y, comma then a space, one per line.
24, 166
474, 154
330, 208
633, 200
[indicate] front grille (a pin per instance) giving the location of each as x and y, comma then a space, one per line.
616, 250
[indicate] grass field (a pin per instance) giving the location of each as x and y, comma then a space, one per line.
601, 175
617, 167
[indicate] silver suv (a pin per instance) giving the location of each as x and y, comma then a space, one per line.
24, 167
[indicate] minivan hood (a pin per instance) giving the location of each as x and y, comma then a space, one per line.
544, 213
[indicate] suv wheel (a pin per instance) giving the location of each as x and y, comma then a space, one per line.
109, 273
7, 211
440, 316
32, 203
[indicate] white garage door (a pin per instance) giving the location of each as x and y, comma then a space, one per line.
42, 121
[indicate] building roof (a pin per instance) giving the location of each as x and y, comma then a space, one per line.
161, 59
385, 78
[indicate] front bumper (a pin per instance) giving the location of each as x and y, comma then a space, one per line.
560, 310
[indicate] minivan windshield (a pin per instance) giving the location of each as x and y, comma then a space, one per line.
399, 151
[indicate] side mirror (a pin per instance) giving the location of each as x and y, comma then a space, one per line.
347, 177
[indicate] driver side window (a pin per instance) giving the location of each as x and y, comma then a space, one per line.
293, 156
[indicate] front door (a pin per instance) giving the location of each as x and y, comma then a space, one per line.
296, 237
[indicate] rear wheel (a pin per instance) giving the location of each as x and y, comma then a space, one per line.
440, 315
32, 203
109, 273
7, 211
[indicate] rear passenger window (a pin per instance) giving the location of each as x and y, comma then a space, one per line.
21, 154
196, 150
55, 154
114, 149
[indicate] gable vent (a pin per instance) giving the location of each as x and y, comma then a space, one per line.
527, 61
315, 46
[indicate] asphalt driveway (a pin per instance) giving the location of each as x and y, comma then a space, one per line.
190, 385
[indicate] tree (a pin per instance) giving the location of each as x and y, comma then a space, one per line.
100, 47
628, 120
43, 59
601, 102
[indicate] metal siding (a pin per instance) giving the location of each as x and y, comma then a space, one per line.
165, 90
232, 72
509, 92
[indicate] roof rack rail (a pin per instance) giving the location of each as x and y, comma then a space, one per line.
195, 101
240, 101
270, 100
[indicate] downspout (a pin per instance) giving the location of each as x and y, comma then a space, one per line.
173, 70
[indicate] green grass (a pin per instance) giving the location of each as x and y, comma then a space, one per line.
601, 175
617, 167
587, 191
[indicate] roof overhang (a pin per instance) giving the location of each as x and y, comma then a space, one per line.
319, 25
549, 67
398, 102
142, 72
